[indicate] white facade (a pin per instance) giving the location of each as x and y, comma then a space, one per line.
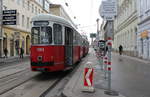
144, 29
125, 27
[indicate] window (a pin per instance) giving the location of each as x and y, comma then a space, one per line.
35, 10
141, 7
23, 3
69, 36
32, 8
18, 18
39, 11
28, 5
28, 21
4, 7
35, 35
148, 4
46, 5
22, 20
39, 2
43, 36
46, 35
18, 2
57, 30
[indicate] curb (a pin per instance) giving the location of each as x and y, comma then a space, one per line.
12, 59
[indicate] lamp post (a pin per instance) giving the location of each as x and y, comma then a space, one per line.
97, 20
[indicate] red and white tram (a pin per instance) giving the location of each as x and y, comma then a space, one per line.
56, 44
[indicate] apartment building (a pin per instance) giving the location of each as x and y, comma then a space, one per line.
125, 27
17, 36
143, 35
58, 10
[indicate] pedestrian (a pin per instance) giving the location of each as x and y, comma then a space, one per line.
5, 52
21, 53
120, 49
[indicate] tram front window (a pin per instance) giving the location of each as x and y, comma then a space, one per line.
41, 35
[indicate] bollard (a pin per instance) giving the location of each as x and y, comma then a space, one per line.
88, 78
100, 60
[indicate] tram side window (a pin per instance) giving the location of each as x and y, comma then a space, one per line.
68, 36
57, 30
35, 35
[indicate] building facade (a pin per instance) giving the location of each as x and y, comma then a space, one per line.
144, 29
125, 27
18, 36
58, 10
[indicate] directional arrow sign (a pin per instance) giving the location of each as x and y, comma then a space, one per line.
88, 77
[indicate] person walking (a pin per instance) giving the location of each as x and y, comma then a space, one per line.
120, 49
5, 52
21, 53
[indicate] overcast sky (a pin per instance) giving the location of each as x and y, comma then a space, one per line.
85, 11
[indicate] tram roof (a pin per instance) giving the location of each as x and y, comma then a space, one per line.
50, 17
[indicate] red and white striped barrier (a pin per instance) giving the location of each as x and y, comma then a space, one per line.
88, 78
109, 44
105, 60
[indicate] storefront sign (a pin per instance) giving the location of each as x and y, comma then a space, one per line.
9, 17
144, 34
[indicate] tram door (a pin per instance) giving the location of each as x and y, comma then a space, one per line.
68, 46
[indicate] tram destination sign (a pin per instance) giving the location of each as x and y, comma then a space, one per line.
41, 23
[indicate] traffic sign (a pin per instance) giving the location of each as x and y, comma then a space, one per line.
6, 12
9, 22
108, 9
92, 35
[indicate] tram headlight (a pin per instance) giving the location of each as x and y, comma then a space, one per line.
39, 58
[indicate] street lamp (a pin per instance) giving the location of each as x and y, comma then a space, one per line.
97, 20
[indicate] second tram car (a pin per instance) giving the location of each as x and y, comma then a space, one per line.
56, 44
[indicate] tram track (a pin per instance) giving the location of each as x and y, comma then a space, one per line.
33, 87
57, 88
33, 84
19, 71
12, 81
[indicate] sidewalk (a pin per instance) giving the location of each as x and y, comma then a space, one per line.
133, 58
75, 85
11, 59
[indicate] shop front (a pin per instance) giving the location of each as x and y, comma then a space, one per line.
144, 44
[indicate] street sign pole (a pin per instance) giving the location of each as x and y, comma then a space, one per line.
109, 63
108, 11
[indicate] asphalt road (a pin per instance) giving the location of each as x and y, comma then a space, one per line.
130, 77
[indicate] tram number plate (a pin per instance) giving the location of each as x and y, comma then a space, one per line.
40, 69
